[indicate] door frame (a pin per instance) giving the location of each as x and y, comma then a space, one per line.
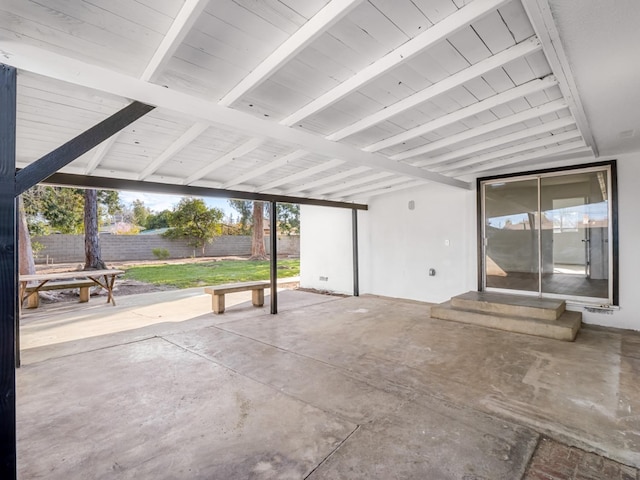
613, 220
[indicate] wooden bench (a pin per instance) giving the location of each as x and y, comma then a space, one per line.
33, 300
257, 291
219, 291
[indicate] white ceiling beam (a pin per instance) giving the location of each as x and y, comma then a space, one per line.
539, 111
543, 24
307, 172
438, 32
185, 139
330, 179
345, 185
99, 154
523, 90
505, 152
521, 158
496, 142
237, 152
457, 79
271, 165
177, 32
383, 188
42, 62
312, 29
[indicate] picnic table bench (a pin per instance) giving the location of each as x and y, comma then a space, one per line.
256, 287
30, 285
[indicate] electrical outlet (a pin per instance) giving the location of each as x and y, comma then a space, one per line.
324, 279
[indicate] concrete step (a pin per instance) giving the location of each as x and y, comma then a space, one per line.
510, 305
564, 328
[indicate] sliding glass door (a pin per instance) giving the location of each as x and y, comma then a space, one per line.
548, 234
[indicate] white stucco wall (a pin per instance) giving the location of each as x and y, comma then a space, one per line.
326, 249
398, 245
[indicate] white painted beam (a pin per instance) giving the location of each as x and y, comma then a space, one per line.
438, 32
541, 18
185, 139
505, 152
383, 189
271, 165
345, 185
307, 172
312, 29
100, 153
539, 111
498, 60
496, 142
521, 158
177, 32
487, 104
42, 62
239, 151
330, 179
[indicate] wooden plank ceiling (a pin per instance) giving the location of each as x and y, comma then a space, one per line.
339, 100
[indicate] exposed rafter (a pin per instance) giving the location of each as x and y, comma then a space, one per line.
457, 79
185, 139
179, 29
523, 147
438, 32
345, 185
502, 162
69, 70
272, 165
487, 104
330, 179
307, 172
239, 151
496, 142
544, 25
322, 21
382, 188
514, 119
176, 33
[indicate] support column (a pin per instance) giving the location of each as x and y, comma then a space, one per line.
273, 238
8, 273
354, 235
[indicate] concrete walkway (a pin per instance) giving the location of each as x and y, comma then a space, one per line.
368, 387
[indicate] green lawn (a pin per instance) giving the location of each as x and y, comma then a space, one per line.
210, 273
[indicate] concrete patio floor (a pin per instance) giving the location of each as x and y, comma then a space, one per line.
330, 388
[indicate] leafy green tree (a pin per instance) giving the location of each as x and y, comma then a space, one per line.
245, 214
289, 218
158, 220
192, 219
140, 213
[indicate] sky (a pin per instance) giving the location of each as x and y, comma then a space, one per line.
157, 202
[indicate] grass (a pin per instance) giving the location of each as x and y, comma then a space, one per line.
210, 273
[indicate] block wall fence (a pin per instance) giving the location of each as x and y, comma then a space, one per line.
70, 248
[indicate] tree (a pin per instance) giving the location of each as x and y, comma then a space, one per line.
140, 213
92, 253
289, 218
158, 220
245, 211
258, 251
192, 219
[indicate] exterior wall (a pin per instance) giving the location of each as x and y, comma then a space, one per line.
70, 248
326, 248
402, 244
399, 245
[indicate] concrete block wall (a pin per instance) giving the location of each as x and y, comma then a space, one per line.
70, 248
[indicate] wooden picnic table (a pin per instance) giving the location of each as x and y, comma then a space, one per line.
32, 284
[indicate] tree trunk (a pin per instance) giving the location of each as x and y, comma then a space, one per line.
92, 255
27, 265
258, 251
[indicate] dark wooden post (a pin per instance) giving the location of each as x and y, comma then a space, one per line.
8, 272
273, 238
354, 235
